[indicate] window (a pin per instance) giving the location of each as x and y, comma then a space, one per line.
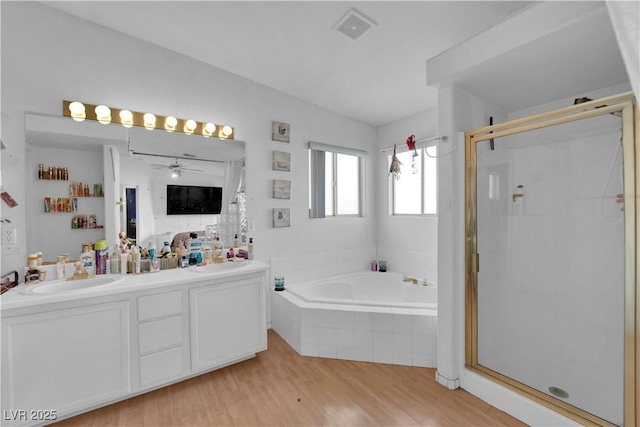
335, 181
415, 192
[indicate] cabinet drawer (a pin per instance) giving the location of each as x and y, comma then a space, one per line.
159, 305
160, 366
159, 334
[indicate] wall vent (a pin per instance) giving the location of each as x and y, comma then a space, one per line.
354, 25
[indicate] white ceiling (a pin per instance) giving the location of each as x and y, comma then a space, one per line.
292, 47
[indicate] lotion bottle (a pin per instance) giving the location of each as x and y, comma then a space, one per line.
87, 259
250, 248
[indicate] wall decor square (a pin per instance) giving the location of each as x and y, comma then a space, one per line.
281, 161
281, 189
280, 131
281, 217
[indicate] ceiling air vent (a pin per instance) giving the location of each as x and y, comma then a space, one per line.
354, 25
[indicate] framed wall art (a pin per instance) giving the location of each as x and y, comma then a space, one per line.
280, 131
281, 161
281, 217
281, 189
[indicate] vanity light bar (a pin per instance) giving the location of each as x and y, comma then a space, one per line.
80, 111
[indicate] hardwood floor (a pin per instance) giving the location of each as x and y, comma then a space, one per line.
281, 388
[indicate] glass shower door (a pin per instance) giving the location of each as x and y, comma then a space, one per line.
550, 270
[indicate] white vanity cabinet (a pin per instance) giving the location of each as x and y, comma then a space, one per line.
160, 337
63, 357
63, 361
228, 322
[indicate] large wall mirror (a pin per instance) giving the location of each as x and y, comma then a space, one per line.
116, 180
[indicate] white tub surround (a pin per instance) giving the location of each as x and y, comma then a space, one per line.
370, 330
68, 352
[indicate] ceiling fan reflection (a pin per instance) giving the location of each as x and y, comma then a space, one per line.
175, 168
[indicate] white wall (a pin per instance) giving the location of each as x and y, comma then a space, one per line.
407, 243
61, 57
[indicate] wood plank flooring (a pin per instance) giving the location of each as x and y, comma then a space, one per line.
281, 388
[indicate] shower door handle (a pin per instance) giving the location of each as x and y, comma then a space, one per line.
475, 262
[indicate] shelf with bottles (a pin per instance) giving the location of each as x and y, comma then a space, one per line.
53, 173
60, 204
84, 222
78, 189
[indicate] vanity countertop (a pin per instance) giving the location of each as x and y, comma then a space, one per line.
22, 296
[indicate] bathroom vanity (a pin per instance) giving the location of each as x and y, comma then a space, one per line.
68, 349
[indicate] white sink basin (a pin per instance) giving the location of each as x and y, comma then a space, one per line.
58, 286
212, 268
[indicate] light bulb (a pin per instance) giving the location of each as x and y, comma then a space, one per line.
149, 121
103, 114
77, 111
175, 174
208, 129
170, 123
226, 131
190, 126
126, 118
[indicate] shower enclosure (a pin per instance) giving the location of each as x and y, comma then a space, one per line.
551, 282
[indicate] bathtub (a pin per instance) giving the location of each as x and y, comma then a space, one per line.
368, 289
364, 316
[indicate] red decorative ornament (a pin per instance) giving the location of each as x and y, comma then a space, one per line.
411, 142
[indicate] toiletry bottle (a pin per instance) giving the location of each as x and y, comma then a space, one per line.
87, 259
32, 261
154, 265
207, 252
135, 259
194, 246
114, 260
39, 254
101, 252
235, 241
518, 201
250, 247
60, 268
124, 261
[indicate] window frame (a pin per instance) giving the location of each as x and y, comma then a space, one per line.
317, 208
392, 184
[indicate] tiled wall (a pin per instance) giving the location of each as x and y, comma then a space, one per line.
300, 268
370, 334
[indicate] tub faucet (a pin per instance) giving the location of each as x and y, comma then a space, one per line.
410, 279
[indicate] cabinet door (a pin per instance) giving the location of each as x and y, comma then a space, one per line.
227, 322
65, 360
